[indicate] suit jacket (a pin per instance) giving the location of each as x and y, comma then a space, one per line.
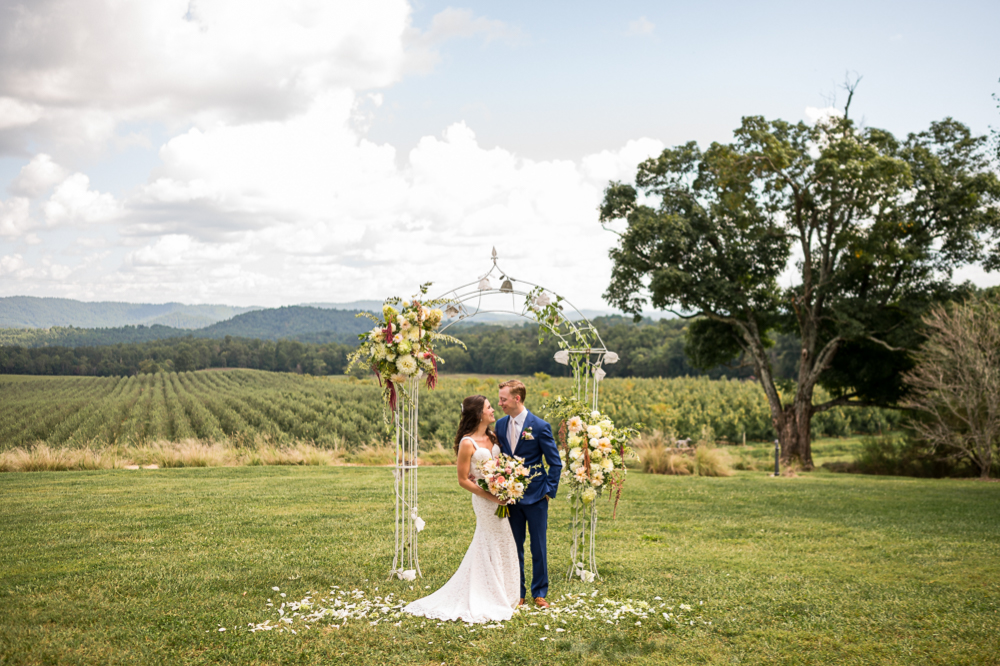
543, 445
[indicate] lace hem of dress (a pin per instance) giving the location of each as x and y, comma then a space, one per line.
471, 619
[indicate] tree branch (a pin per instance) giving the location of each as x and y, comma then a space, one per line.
885, 344
845, 401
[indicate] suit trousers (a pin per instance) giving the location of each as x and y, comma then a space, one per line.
534, 517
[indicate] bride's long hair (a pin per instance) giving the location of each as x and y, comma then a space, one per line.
472, 414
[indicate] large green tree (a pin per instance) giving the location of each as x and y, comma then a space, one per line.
842, 235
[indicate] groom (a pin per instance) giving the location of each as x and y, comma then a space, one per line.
524, 435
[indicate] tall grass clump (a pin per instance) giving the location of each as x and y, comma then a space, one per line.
437, 456
187, 453
373, 455
658, 456
711, 461
42, 458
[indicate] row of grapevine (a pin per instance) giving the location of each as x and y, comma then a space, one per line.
244, 405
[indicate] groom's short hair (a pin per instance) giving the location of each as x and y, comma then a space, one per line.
516, 388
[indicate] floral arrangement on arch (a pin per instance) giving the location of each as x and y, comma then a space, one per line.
593, 451
401, 346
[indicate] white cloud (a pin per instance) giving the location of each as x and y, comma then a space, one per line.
621, 165
422, 46
14, 113
15, 217
80, 70
37, 176
73, 202
268, 191
306, 210
816, 114
641, 26
11, 264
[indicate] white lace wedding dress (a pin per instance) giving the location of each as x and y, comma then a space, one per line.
485, 588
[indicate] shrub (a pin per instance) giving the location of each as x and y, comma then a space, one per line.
661, 460
897, 455
712, 462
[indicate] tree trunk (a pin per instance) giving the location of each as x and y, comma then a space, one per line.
792, 423
803, 421
795, 434
985, 462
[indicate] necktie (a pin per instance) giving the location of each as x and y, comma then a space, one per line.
512, 434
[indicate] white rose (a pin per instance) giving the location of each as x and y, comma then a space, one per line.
406, 364
595, 415
594, 432
575, 453
606, 427
607, 465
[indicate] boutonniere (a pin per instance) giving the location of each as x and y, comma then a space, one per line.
527, 434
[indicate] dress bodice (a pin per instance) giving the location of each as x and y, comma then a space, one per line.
481, 454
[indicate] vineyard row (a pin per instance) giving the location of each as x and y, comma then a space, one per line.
244, 405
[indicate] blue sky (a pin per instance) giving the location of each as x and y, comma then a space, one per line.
574, 78
269, 153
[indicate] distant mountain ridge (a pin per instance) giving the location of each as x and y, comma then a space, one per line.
292, 322
36, 312
42, 322
304, 324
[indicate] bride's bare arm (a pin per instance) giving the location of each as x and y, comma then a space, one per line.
465, 450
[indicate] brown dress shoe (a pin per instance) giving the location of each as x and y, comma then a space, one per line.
541, 602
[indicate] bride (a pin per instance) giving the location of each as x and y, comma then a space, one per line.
486, 586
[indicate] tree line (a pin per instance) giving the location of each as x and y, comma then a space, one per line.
646, 349
176, 355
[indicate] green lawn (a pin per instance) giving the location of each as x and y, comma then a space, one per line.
114, 566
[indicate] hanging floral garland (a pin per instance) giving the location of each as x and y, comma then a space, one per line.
593, 451
401, 346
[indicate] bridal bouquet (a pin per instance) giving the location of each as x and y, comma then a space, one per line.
593, 451
506, 478
401, 344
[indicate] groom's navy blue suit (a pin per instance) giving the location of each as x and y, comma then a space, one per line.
533, 509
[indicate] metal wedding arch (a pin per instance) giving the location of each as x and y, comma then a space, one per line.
581, 348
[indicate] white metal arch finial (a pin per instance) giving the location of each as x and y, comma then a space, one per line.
580, 342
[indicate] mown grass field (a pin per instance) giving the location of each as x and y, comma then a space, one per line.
123, 567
